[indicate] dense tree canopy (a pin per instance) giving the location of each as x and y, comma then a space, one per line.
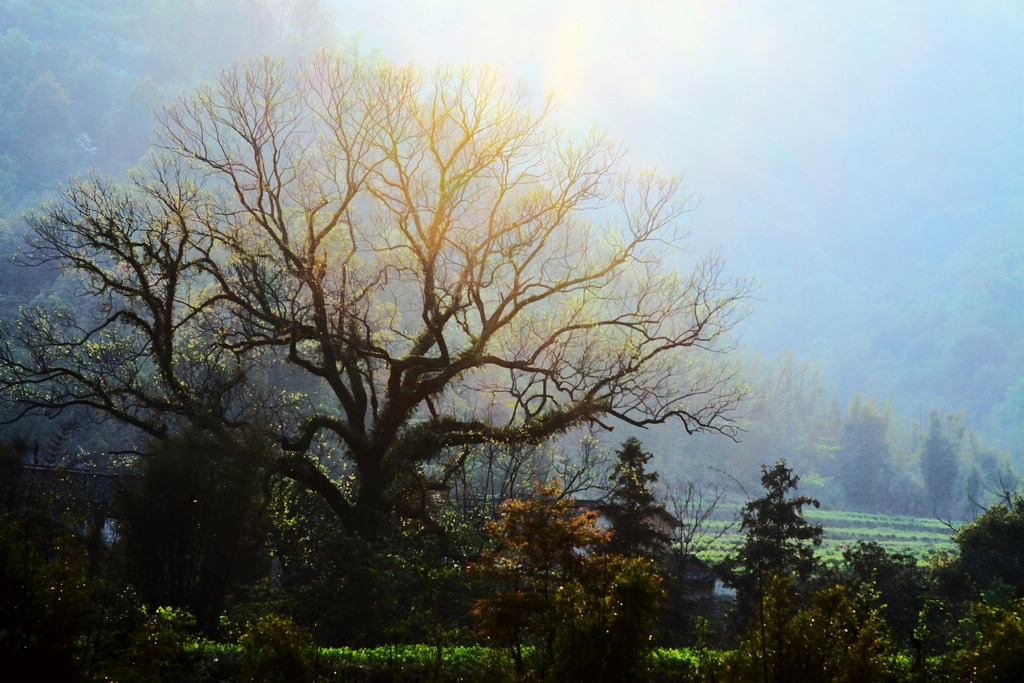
394, 261
588, 613
990, 547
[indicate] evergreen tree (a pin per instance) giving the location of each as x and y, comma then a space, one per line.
939, 464
778, 541
865, 465
632, 509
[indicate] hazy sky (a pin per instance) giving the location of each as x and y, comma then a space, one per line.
859, 140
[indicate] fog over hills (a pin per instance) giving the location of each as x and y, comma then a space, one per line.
861, 160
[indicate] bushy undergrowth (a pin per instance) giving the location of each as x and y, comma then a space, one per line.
416, 663
869, 615
275, 650
994, 655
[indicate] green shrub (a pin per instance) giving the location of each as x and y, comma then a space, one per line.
415, 663
995, 653
674, 664
275, 650
163, 649
584, 615
840, 638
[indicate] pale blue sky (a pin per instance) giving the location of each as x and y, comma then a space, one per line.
842, 150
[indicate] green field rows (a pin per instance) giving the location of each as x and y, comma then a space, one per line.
918, 536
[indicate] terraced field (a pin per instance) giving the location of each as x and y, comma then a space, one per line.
918, 536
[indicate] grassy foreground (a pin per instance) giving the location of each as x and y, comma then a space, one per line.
213, 663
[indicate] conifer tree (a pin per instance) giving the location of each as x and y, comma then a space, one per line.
778, 541
939, 464
633, 509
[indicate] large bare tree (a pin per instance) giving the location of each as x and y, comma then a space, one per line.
396, 262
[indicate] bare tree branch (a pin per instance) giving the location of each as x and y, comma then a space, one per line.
379, 255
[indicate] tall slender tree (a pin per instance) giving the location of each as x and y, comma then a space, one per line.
865, 460
939, 463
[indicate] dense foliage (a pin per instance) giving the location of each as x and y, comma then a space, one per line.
586, 615
837, 638
533, 583
991, 553
187, 518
